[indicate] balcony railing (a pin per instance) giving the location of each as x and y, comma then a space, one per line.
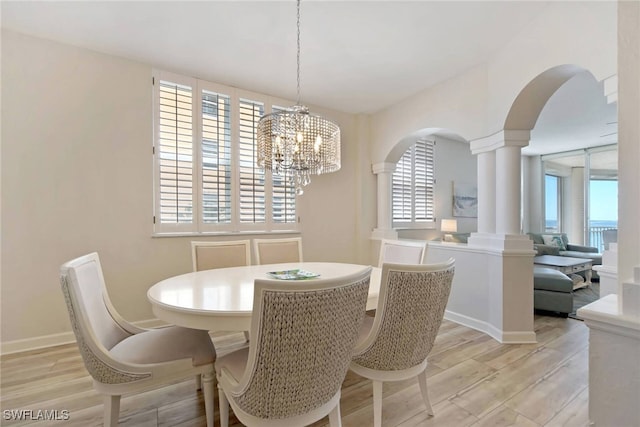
596, 236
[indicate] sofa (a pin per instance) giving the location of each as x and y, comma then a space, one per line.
562, 247
552, 290
558, 244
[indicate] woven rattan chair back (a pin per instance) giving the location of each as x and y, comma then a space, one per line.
398, 340
410, 311
303, 336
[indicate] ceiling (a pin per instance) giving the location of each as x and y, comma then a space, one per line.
356, 56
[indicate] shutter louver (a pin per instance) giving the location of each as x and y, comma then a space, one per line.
252, 180
175, 153
216, 158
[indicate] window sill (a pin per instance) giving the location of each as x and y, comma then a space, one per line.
224, 233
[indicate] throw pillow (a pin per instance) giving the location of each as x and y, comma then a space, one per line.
554, 240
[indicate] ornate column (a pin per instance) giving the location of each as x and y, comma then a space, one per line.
384, 230
508, 189
499, 190
486, 192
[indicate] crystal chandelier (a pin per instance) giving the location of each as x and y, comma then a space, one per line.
296, 142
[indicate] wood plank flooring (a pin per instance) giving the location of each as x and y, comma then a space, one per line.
473, 381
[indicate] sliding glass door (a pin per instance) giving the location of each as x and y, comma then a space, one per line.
581, 194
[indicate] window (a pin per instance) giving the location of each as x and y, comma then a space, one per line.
552, 203
206, 178
413, 184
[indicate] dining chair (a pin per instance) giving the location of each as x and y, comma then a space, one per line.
303, 336
123, 358
220, 254
395, 343
402, 252
276, 251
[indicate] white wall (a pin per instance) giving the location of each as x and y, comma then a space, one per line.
77, 178
476, 103
76, 161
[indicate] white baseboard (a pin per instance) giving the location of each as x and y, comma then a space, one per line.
44, 341
523, 337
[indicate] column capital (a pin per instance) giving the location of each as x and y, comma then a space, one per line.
383, 167
504, 138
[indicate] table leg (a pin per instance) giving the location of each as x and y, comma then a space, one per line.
587, 276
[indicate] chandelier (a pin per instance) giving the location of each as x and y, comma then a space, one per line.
297, 143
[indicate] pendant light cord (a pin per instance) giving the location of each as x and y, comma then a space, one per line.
298, 57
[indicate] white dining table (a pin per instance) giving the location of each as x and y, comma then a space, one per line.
222, 299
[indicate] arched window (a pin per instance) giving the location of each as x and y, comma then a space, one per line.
413, 184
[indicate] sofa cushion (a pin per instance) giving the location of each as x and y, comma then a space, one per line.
546, 250
554, 240
548, 279
537, 237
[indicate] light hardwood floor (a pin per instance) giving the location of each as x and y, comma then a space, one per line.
473, 381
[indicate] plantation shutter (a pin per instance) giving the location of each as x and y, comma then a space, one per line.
216, 158
283, 195
284, 199
401, 188
424, 181
413, 183
175, 153
252, 179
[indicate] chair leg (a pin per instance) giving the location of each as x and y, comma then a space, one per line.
111, 410
207, 385
199, 382
422, 380
377, 403
224, 407
334, 416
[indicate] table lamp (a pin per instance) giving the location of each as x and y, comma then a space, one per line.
448, 226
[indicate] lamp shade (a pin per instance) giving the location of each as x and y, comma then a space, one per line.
449, 225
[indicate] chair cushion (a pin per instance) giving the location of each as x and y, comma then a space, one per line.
235, 362
165, 345
551, 280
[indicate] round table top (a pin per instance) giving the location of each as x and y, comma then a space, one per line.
196, 299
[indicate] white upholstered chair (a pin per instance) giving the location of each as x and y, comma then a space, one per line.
275, 251
303, 335
123, 358
221, 254
401, 252
395, 344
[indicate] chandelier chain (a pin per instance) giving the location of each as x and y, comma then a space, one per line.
298, 57
294, 143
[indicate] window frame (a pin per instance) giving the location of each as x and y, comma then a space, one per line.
198, 226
